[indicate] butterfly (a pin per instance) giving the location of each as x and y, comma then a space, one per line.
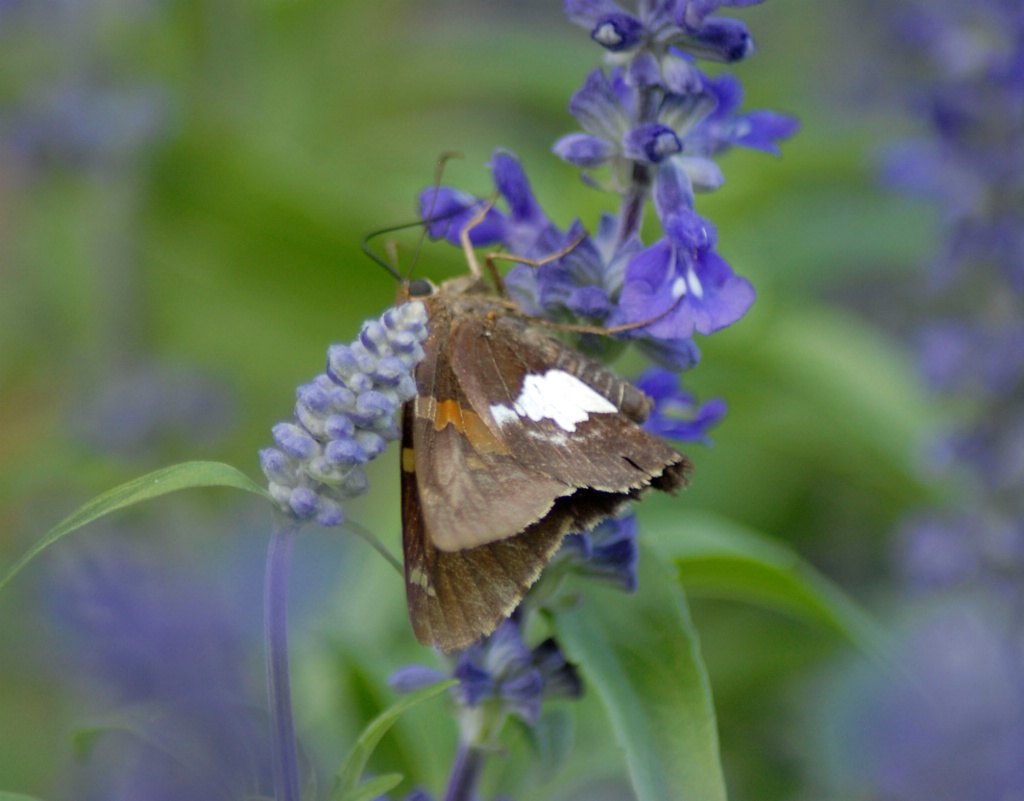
513, 440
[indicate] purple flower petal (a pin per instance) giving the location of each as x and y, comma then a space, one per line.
411, 678
687, 293
590, 302
680, 75
673, 192
673, 354
588, 12
651, 142
643, 70
598, 108
583, 150
760, 130
617, 32
449, 211
528, 231
704, 174
676, 414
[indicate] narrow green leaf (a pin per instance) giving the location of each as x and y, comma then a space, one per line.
188, 475
346, 784
718, 557
640, 653
375, 787
141, 722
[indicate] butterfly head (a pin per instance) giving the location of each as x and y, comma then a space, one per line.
417, 289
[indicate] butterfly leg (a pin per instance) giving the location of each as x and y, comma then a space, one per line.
467, 245
492, 267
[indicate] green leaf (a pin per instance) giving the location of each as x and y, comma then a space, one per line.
346, 787
551, 739
188, 475
141, 722
827, 355
375, 787
16, 797
715, 556
641, 654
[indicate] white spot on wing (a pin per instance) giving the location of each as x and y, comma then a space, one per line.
503, 414
551, 439
420, 579
556, 395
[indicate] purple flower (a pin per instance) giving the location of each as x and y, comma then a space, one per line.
682, 284
618, 31
976, 357
677, 415
164, 650
994, 447
345, 417
651, 142
725, 126
677, 355
607, 109
525, 230
602, 283
501, 669
950, 726
80, 125
142, 407
607, 552
664, 23
697, 118
528, 231
936, 552
448, 211
584, 285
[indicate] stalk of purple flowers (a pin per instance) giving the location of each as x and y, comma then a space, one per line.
654, 122
972, 348
343, 419
956, 732
652, 125
160, 647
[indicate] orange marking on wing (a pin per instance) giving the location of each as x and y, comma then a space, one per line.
468, 423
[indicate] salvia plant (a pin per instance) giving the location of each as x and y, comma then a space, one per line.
952, 728
653, 125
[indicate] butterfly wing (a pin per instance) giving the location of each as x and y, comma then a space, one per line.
455, 597
514, 440
562, 414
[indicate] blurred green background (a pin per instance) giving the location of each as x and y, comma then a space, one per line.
205, 217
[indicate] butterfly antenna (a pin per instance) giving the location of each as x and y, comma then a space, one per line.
442, 162
425, 222
392, 229
373, 235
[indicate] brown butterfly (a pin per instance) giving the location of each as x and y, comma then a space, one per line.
514, 440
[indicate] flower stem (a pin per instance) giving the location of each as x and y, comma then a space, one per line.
275, 623
469, 764
631, 210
